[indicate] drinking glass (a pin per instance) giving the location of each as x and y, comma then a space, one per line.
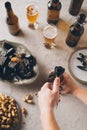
32, 13
50, 33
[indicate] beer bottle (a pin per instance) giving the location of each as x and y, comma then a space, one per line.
75, 6
54, 7
12, 20
76, 31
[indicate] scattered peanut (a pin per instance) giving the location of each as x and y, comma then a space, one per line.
28, 99
24, 111
36, 93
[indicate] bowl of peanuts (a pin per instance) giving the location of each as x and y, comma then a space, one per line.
10, 113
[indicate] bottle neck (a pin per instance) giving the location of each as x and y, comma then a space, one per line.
80, 23
10, 12
78, 26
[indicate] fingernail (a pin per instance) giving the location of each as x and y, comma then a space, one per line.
57, 79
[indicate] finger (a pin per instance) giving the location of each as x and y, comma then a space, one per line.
63, 92
46, 85
56, 84
50, 87
38, 93
51, 72
51, 76
57, 103
59, 100
65, 75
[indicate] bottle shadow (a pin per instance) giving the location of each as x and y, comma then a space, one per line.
21, 34
63, 25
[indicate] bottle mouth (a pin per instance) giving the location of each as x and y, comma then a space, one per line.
8, 5
55, 1
81, 18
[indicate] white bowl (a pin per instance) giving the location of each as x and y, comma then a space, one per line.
22, 49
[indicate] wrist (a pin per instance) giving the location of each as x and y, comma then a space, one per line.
46, 111
74, 90
46, 115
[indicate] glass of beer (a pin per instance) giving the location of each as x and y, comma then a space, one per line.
32, 13
50, 33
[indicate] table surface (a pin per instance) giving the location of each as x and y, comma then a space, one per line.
71, 113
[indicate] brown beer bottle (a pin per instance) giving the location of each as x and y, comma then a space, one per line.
54, 7
75, 6
76, 31
12, 20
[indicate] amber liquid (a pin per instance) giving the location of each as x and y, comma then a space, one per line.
49, 40
32, 14
12, 22
72, 40
53, 12
74, 35
50, 33
53, 16
32, 18
49, 43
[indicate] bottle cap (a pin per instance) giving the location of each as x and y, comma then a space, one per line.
8, 5
81, 18
55, 1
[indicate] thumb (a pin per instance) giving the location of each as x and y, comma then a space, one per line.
56, 84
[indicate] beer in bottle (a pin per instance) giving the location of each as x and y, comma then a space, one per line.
75, 6
54, 7
76, 31
12, 20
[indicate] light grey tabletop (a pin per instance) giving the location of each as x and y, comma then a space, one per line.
71, 113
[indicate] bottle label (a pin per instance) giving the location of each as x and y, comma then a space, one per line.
13, 29
53, 14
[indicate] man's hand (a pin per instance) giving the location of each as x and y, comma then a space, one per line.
48, 96
68, 85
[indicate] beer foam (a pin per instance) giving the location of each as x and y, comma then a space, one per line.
50, 31
32, 10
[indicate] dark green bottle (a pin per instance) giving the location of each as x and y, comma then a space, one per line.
54, 7
75, 6
76, 31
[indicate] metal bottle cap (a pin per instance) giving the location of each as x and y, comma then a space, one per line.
55, 1
8, 5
